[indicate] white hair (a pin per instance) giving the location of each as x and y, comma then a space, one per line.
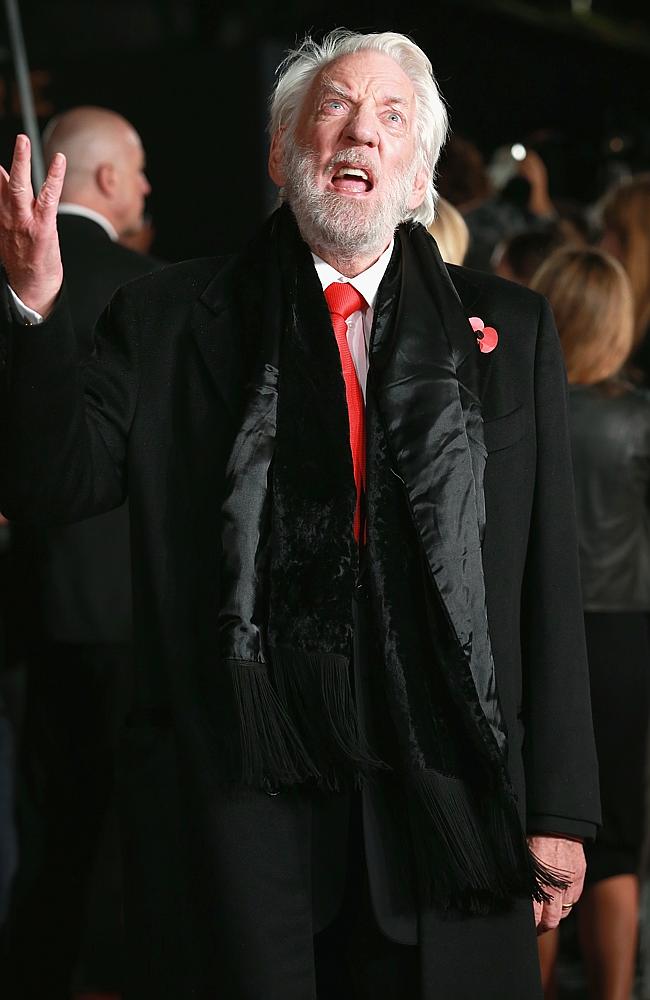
297, 71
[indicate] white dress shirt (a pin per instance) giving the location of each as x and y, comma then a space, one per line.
360, 322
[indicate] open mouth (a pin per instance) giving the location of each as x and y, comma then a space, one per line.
352, 180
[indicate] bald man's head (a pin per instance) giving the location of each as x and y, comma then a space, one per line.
105, 159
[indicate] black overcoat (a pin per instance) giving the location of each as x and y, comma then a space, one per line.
224, 891
71, 583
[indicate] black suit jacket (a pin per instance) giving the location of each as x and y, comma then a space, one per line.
225, 889
72, 583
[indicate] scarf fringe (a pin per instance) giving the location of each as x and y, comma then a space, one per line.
315, 691
507, 834
468, 862
272, 753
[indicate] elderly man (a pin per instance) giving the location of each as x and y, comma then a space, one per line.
361, 670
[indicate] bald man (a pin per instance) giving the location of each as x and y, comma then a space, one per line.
102, 203
72, 617
106, 164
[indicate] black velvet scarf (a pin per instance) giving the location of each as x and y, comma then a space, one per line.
290, 565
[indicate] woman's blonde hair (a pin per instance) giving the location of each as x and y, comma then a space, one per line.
450, 232
591, 299
625, 212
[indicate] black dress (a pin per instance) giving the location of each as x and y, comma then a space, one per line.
610, 431
619, 665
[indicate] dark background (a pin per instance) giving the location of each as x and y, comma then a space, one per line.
194, 78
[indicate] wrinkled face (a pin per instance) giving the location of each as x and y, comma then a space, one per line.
350, 171
132, 185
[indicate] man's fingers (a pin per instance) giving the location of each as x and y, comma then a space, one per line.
548, 915
551, 915
571, 896
20, 182
50, 193
4, 192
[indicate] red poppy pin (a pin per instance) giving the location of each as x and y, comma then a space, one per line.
486, 336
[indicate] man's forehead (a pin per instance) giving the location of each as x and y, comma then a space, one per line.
354, 74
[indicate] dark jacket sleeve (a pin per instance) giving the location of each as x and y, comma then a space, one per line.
559, 750
64, 424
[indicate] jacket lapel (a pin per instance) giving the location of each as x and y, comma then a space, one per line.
469, 294
495, 393
215, 328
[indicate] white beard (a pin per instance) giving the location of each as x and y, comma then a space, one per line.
345, 227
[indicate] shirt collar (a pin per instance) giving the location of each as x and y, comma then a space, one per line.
69, 208
367, 283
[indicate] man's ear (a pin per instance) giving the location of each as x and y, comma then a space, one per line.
276, 157
106, 179
419, 191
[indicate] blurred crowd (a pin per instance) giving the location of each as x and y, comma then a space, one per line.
65, 643
592, 262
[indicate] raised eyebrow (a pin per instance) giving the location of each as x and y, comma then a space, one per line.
399, 102
330, 89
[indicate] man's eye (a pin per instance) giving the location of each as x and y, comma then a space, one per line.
334, 105
395, 118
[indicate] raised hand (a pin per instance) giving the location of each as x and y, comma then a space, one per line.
29, 242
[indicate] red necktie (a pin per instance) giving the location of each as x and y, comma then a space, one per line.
342, 300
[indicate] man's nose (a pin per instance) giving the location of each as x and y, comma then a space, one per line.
362, 128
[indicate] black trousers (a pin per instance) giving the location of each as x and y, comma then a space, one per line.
69, 872
353, 959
